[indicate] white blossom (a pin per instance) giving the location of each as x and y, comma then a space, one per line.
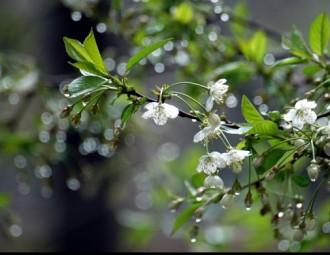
217, 93
160, 112
234, 158
301, 114
213, 181
213, 127
211, 162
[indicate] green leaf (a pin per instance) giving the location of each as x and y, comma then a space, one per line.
249, 112
93, 51
258, 47
184, 216
270, 160
319, 34
143, 53
88, 69
296, 44
241, 11
127, 113
76, 50
301, 181
183, 13
198, 179
289, 61
265, 127
84, 84
4, 200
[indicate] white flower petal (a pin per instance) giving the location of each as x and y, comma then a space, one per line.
202, 134
171, 111
209, 103
151, 106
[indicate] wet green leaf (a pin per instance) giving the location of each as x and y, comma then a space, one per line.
319, 33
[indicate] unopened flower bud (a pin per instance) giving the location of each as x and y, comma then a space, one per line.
313, 171
214, 181
214, 120
257, 162
66, 111
270, 175
76, 118
194, 233
227, 200
175, 204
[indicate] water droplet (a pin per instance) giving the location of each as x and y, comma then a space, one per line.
212, 36
159, 67
76, 16
217, 9
20, 161
326, 227
257, 100
224, 17
280, 214
101, 27
269, 59
110, 63
13, 98
44, 136
73, 184
231, 101
283, 245
15, 230
121, 68
299, 205
169, 46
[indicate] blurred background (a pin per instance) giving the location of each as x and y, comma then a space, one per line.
72, 189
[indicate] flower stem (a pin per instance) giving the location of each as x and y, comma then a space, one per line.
188, 83
189, 97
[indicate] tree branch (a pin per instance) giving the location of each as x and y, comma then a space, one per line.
323, 114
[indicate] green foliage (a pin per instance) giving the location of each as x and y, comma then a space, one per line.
144, 53
289, 61
4, 200
319, 34
300, 180
241, 11
183, 12
255, 48
184, 216
296, 44
128, 111
86, 54
84, 85
249, 112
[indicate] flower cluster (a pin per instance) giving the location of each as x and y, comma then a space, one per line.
301, 114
